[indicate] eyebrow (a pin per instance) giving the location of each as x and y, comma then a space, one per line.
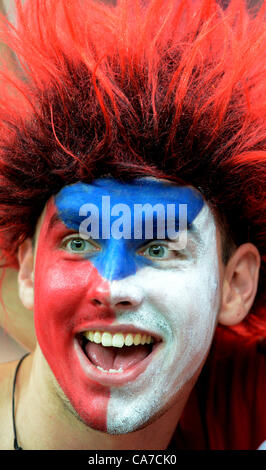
55, 219
195, 234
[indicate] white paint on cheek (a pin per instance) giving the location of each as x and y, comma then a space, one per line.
181, 305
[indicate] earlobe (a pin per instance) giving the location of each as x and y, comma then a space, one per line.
25, 274
240, 284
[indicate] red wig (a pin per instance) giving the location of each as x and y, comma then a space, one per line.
136, 89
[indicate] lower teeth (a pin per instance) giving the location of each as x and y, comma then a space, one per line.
110, 371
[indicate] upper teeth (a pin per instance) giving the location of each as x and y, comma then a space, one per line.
117, 339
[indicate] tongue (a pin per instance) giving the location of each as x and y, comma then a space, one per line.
116, 358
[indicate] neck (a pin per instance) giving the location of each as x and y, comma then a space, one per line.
45, 421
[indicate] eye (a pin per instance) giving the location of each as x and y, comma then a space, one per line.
163, 251
157, 251
76, 244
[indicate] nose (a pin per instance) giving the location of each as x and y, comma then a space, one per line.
120, 296
125, 295
116, 261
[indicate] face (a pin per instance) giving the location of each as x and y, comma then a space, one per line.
124, 322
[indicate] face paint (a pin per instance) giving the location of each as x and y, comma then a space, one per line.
65, 289
118, 257
180, 303
129, 286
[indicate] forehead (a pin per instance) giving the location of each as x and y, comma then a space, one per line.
155, 189
108, 193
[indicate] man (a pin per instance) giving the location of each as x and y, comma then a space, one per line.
124, 109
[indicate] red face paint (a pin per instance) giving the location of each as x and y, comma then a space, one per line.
66, 286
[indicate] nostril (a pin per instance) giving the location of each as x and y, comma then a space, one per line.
96, 302
124, 303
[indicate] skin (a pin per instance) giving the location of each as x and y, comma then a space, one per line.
230, 294
15, 319
102, 284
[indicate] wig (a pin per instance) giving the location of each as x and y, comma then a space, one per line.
135, 89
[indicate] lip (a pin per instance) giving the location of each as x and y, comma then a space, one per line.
114, 379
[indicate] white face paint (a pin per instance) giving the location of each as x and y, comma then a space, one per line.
179, 301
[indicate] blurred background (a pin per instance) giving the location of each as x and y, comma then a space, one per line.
9, 348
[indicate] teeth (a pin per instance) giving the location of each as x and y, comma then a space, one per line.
97, 337
110, 371
106, 338
91, 335
137, 339
143, 339
129, 340
117, 340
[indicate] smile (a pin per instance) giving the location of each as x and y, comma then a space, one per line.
117, 340
115, 357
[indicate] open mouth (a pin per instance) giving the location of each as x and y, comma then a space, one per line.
115, 353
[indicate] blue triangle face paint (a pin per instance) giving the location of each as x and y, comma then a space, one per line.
122, 217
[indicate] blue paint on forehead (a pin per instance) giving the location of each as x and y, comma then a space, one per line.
141, 191
118, 258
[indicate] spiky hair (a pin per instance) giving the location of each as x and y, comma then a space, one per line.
170, 89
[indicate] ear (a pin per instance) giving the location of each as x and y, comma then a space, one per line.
240, 284
25, 274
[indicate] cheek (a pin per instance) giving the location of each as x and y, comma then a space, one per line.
63, 293
189, 301
59, 287
189, 304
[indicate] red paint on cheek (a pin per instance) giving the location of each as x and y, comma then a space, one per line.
66, 287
